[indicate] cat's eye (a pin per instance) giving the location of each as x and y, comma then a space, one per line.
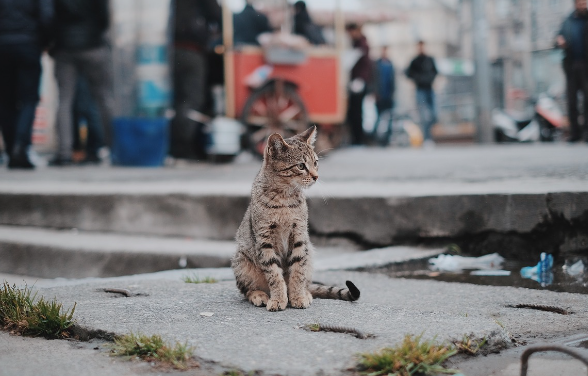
302, 166
315, 163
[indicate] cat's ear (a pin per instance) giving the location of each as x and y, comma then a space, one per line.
276, 145
309, 135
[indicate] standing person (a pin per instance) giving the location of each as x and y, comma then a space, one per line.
384, 87
191, 39
573, 39
80, 47
422, 71
25, 29
360, 75
248, 24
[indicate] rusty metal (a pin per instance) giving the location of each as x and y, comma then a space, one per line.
566, 350
341, 329
541, 307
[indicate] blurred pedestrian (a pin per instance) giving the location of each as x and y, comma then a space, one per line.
304, 26
361, 74
422, 71
86, 111
25, 30
190, 71
249, 24
573, 39
384, 84
81, 48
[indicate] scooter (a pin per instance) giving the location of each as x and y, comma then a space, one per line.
546, 124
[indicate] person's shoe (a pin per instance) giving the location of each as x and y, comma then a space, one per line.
20, 161
574, 139
60, 162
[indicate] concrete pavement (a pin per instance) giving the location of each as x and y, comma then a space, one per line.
239, 335
519, 198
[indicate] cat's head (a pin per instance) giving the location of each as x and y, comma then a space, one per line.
293, 160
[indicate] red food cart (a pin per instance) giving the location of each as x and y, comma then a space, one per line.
283, 89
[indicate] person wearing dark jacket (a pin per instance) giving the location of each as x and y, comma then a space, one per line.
25, 30
361, 75
304, 26
81, 47
384, 85
248, 24
573, 39
191, 39
422, 71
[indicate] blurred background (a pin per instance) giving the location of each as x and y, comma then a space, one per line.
511, 42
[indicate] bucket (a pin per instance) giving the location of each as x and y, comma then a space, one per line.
139, 142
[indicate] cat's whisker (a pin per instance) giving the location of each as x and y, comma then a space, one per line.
324, 150
320, 191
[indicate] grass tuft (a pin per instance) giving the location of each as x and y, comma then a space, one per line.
153, 348
411, 357
195, 279
22, 313
314, 327
469, 346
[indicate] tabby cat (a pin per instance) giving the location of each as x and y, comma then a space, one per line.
273, 262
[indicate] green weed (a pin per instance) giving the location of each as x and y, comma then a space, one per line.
411, 357
152, 348
313, 327
22, 313
469, 346
195, 279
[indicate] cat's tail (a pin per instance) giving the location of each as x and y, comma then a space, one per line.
351, 293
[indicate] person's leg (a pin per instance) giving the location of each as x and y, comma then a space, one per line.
86, 109
356, 117
389, 129
95, 65
430, 102
423, 109
8, 87
187, 138
583, 131
379, 111
572, 94
28, 78
66, 73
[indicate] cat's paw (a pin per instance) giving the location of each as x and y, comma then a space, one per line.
302, 301
258, 298
274, 304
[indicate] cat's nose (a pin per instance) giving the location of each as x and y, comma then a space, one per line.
315, 177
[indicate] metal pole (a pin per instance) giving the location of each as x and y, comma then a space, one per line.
482, 82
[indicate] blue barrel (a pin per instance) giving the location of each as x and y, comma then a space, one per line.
141, 142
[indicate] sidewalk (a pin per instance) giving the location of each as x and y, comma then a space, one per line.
366, 198
239, 335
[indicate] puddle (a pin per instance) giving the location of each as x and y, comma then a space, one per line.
558, 281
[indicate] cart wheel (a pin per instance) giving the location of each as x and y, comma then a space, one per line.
275, 108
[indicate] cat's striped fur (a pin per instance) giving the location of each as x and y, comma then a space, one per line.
273, 262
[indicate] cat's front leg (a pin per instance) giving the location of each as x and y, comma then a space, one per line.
299, 271
274, 275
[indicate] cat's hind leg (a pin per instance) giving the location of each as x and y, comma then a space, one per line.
250, 280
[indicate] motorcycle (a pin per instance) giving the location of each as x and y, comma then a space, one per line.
546, 124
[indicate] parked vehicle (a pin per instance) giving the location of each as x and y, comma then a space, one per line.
546, 123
